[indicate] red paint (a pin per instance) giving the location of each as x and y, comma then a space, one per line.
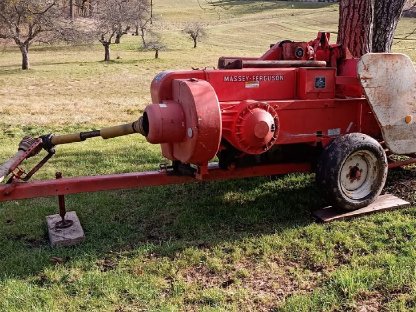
167, 122
252, 127
321, 114
202, 120
197, 113
65, 186
296, 105
316, 83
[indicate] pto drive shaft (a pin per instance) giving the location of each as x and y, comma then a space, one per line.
29, 147
105, 133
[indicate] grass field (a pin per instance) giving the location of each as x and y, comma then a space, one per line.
248, 245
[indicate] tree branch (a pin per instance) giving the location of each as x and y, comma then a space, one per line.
406, 37
44, 11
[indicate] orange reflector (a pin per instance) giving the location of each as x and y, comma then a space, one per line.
408, 119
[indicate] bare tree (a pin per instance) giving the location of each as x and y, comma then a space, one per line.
24, 21
85, 7
155, 44
114, 19
143, 19
77, 31
196, 32
142, 27
121, 32
140, 16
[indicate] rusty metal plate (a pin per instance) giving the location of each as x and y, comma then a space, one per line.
389, 82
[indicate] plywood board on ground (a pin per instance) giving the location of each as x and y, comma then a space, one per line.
383, 203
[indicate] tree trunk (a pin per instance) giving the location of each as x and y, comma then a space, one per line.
71, 9
142, 34
368, 25
156, 54
107, 52
118, 37
24, 49
151, 12
195, 42
90, 8
386, 16
355, 30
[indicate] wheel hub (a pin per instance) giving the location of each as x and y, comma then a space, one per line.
358, 174
355, 173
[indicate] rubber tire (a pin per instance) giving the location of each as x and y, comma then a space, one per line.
331, 162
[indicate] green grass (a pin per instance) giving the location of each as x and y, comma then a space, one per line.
236, 245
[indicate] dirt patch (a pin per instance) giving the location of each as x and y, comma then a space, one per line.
371, 302
402, 183
107, 264
267, 285
156, 228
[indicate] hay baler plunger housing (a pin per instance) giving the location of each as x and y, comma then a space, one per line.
301, 107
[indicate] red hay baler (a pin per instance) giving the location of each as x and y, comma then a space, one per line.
301, 107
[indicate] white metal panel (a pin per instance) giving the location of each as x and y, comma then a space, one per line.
389, 82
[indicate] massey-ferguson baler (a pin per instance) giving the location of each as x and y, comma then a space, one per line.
301, 107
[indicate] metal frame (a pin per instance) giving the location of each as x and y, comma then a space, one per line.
64, 186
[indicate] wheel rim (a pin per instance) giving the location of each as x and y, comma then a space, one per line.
359, 174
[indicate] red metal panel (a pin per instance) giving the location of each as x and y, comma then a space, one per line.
309, 121
300, 121
66, 186
253, 84
291, 51
349, 81
251, 127
166, 122
203, 121
316, 83
369, 124
274, 53
161, 87
87, 184
348, 69
233, 85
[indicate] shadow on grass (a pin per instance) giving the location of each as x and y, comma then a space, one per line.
257, 6
159, 221
15, 69
61, 48
11, 70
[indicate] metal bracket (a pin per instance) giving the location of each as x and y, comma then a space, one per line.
64, 223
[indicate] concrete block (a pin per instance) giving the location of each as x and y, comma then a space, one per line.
65, 237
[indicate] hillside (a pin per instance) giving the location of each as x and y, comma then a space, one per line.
248, 245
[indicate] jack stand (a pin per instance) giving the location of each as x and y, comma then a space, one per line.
64, 229
64, 223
